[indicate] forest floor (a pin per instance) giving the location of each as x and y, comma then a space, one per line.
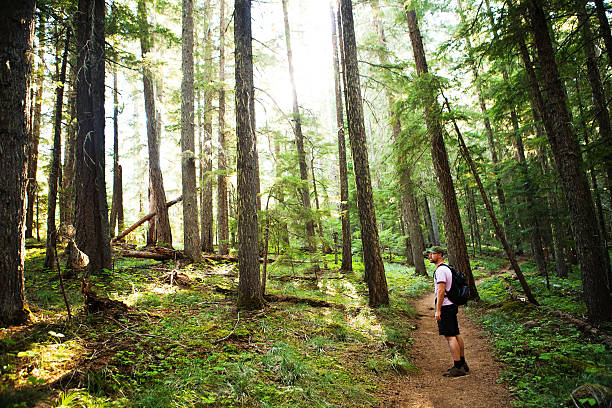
316, 343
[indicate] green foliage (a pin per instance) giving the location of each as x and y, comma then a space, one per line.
546, 358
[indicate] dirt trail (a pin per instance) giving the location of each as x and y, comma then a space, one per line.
429, 389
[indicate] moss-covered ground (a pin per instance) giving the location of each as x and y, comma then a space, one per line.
188, 346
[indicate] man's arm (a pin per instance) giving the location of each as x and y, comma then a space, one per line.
441, 293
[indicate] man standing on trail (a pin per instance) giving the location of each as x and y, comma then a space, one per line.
446, 312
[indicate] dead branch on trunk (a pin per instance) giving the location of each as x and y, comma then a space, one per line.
143, 220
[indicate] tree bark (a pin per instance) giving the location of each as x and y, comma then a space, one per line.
16, 34
191, 234
569, 163
34, 140
222, 210
458, 254
116, 218
375, 270
347, 255
56, 159
160, 225
249, 285
91, 207
299, 137
67, 191
206, 179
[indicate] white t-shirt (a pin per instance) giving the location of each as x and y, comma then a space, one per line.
443, 274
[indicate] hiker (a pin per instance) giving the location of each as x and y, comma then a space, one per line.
446, 312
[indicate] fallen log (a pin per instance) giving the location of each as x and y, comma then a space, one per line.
308, 301
143, 220
157, 253
163, 254
229, 258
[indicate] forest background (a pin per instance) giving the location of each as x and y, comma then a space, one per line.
512, 101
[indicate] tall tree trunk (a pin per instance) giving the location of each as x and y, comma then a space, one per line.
91, 207
375, 270
160, 224
249, 286
604, 27
347, 255
597, 89
407, 200
206, 179
67, 191
299, 136
569, 163
222, 210
34, 139
458, 254
16, 34
56, 157
116, 176
191, 234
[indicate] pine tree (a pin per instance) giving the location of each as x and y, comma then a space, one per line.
249, 286
375, 270
16, 32
91, 207
191, 234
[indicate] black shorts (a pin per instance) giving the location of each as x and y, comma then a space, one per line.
448, 325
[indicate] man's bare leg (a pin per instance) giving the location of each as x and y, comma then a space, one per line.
461, 346
454, 347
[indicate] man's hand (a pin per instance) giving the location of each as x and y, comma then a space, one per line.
438, 317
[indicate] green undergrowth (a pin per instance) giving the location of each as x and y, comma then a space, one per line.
545, 357
188, 346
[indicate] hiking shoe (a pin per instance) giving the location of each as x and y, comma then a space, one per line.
454, 372
465, 367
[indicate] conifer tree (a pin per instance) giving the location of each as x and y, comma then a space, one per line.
375, 270
16, 32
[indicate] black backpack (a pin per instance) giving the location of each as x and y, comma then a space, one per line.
460, 291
